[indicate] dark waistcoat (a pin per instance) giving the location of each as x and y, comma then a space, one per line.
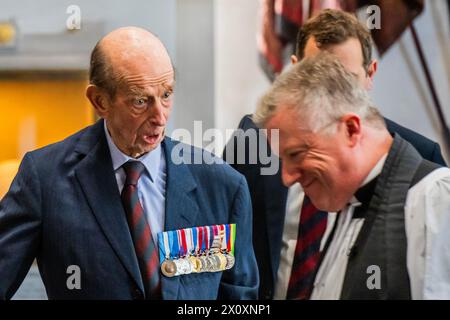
382, 239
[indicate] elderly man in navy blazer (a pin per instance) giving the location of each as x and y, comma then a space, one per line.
71, 204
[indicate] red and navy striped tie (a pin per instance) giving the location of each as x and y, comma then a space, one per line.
144, 246
312, 226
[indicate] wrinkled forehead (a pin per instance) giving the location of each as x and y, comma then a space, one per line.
288, 123
142, 72
145, 86
145, 77
155, 65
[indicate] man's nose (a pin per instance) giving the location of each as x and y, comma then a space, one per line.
289, 175
158, 115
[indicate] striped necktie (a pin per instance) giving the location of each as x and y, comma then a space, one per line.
144, 246
312, 226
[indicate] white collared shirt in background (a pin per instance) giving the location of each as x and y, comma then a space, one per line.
427, 225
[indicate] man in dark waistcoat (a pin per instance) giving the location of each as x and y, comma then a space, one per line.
389, 235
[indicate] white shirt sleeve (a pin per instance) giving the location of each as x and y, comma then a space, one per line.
428, 236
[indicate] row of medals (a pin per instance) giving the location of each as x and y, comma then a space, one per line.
207, 262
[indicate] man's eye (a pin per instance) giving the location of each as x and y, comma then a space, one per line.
294, 154
140, 102
297, 155
167, 94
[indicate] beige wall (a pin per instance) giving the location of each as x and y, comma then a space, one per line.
239, 81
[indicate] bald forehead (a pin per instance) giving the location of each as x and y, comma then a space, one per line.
136, 38
130, 48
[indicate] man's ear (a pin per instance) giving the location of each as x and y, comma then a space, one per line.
294, 59
352, 125
98, 100
371, 70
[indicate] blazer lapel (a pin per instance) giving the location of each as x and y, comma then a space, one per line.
181, 205
96, 177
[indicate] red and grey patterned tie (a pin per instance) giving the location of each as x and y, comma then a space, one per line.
313, 223
144, 246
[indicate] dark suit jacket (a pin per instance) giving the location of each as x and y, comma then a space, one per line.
269, 197
64, 208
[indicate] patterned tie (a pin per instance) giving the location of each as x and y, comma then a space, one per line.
144, 246
313, 223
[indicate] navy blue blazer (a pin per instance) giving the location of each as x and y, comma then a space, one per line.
64, 208
269, 197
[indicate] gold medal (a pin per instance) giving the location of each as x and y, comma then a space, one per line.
168, 268
196, 264
223, 261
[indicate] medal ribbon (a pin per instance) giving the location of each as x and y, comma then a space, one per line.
201, 239
183, 243
167, 252
228, 237
193, 234
162, 249
207, 238
190, 242
233, 237
215, 233
223, 238
173, 243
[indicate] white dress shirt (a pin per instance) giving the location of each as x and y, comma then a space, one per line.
290, 235
427, 226
151, 185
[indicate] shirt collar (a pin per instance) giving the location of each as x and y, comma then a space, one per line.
151, 160
373, 174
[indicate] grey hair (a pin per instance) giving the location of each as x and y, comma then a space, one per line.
321, 91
